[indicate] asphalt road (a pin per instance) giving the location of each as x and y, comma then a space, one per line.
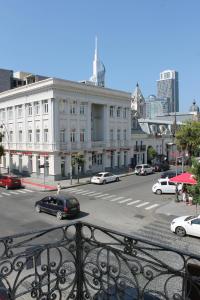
128, 206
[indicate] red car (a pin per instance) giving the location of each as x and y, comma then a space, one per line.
9, 181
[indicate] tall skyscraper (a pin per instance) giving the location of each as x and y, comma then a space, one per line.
98, 76
156, 107
168, 87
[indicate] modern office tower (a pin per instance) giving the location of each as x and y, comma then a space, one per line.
156, 107
168, 87
98, 76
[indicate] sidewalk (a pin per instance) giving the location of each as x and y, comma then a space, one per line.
41, 185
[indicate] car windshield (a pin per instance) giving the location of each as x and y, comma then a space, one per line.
189, 218
138, 167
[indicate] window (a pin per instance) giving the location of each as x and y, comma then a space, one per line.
111, 134
3, 114
118, 112
20, 136
99, 159
164, 183
62, 136
82, 109
37, 108
124, 113
82, 135
46, 135
111, 111
45, 106
124, 135
29, 135
29, 108
10, 113
11, 136
37, 135
73, 135
118, 134
73, 108
19, 111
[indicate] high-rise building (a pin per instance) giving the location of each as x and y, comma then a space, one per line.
168, 87
156, 107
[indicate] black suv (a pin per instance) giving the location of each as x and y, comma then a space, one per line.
170, 173
60, 206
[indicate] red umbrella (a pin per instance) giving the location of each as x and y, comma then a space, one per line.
187, 178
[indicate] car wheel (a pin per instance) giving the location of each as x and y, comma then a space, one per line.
158, 192
59, 215
117, 179
180, 231
6, 187
37, 208
145, 173
104, 182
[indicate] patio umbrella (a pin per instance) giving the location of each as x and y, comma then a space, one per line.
187, 178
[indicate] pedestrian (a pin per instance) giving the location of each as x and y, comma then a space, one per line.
190, 198
58, 188
184, 194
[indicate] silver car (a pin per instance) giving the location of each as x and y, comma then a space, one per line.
143, 169
104, 177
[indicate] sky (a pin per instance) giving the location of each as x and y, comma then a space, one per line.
137, 39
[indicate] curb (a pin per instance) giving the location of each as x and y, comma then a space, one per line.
43, 188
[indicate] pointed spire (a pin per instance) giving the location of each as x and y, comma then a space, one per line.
137, 85
96, 49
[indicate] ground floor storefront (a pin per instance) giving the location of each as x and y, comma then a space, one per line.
58, 165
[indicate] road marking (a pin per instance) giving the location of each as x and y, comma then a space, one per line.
94, 194
87, 193
15, 193
6, 194
110, 197
152, 206
80, 192
28, 191
142, 204
102, 195
74, 190
118, 198
23, 192
133, 202
125, 200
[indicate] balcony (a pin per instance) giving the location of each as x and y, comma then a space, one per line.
98, 144
83, 261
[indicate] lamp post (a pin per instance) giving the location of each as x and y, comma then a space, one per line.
3, 126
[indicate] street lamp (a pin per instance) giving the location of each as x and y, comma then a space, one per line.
3, 126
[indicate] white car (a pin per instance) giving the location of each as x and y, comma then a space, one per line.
104, 177
143, 169
186, 225
164, 186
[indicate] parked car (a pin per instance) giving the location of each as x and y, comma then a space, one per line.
60, 206
164, 186
104, 177
170, 173
186, 225
143, 169
160, 166
10, 182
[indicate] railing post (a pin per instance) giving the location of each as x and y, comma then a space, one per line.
79, 262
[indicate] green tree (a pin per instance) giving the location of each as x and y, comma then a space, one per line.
194, 190
188, 138
151, 154
78, 160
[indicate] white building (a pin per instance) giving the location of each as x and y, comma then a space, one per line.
50, 121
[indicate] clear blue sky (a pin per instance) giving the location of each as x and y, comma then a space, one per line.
137, 40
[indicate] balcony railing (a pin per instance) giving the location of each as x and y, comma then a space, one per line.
83, 261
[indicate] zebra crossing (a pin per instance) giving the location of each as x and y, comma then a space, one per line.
120, 200
159, 231
9, 193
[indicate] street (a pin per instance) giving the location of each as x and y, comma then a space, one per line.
128, 206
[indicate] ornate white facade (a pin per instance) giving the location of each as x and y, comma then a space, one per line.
49, 121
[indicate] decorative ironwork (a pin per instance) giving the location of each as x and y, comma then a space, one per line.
83, 261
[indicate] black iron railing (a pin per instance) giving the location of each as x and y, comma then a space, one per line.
83, 261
